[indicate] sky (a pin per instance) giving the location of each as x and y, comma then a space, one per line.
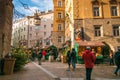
28, 7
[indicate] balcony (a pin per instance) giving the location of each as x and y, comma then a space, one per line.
60, 19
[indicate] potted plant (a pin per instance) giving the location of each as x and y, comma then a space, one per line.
21, 58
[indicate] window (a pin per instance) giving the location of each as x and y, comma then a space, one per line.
24, 28
114, 11
59, 26
30, 28
45, 19
37, 27
36, 34
44, 33
59, 3
44, 26
30, 35
97, 29
59, 15
24, 37
96, 11
116, 30
51, 25
48, 42
59, 39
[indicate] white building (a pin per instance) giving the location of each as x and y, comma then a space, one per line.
33, 31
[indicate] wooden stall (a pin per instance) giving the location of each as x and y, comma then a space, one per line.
96, 47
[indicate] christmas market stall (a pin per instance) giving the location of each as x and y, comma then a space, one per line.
96, 47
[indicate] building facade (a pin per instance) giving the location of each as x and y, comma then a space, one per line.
93, 20
58, 33
99, 20
6, 14
33, 31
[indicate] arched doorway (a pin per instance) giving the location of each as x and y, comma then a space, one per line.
106, 49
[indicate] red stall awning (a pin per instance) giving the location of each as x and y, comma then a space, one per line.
90, 43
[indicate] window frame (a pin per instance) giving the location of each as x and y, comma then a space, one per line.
116, 31
114, 12
59, 27
97, 32
96, 13
59, 3
59, 15
59, 39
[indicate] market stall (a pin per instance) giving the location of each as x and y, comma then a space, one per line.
96, 47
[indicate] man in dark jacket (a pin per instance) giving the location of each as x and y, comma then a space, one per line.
89, 59
39, 57
117, 61
68, 59
73, 59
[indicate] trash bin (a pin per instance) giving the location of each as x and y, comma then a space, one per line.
8, 66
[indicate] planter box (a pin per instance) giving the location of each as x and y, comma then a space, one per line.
8, 66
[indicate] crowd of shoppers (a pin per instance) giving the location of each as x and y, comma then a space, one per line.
88, 57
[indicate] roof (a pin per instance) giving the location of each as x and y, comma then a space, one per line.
90, 43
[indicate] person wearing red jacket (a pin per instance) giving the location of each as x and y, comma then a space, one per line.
43, 55
89, 59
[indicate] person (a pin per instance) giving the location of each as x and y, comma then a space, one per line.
43, 54
68, 59
117, 61
33, 55
111, 58
39, 57
73, 59
89, 59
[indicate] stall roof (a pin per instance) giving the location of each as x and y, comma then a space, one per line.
90, 43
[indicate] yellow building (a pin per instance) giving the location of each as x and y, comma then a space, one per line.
58, 33
98, 20
93, 20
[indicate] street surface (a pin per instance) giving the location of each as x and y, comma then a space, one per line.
57, 71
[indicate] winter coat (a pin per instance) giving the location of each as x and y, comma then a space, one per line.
117, 58
89, 59
44, 53
68, 57
39, 55
73, 55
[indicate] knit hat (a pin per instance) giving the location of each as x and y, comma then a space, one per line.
88, 48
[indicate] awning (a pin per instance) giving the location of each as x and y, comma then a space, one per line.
90, 43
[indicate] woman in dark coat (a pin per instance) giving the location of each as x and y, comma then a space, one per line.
68, 59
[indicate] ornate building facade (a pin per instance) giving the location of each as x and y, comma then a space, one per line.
93, 20
99, 20
58, 33
6, 14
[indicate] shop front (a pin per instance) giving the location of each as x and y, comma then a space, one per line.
96, 48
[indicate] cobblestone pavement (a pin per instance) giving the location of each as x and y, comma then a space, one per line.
30, 72
100, 72
55, 70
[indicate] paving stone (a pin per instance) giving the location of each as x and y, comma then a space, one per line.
71, 78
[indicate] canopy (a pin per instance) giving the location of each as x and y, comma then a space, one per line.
90, 43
